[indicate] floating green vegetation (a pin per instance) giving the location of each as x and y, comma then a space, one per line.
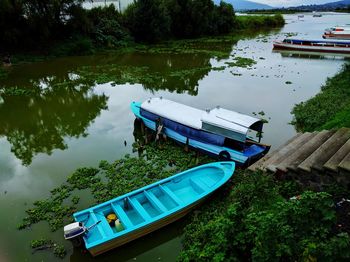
219, 47
290, 34
119, 74
47, 244
328, 109
257, 218
110, 180
262, 116
241, 62
219, 68
16, 91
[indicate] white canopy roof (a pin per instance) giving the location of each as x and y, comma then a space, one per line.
177, 112
217, 120
230, 120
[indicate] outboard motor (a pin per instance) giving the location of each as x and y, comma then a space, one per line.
74, 232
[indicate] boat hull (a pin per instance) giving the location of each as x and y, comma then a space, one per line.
142, 231
211, 149
306, 48
149, 208
337, 36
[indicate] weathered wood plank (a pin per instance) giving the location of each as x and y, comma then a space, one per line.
333, 163
303, 151
325, 151
345, 163
262, 163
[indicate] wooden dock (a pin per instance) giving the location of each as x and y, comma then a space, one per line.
314, 159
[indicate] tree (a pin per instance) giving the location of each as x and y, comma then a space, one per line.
148, 20
225, 18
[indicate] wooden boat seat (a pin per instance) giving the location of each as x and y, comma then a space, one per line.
94, 218
170, 193
154, 200
106, 227
198, 185
139, 209
123, 217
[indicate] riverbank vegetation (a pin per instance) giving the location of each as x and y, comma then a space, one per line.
66, 28
328, 109
259, 218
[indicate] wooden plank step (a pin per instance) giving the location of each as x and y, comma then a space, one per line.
262, 163
322, 154
304, 150
345, 163
333, 163
289, 149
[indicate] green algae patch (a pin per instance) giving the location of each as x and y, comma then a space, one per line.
109, 180
43, 244
241, 62
16, 91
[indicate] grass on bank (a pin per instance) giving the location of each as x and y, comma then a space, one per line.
328, 109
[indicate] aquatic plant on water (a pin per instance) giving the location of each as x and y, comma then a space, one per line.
241, 62
110, 180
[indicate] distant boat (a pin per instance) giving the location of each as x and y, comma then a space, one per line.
218, 132
328, 46
317, 15
135, 214
300, 16
337, 32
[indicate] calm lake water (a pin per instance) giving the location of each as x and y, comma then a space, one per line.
46, 136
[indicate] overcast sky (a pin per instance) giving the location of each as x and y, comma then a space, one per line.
292, 2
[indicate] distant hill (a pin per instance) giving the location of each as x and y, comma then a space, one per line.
245, 5
324, 7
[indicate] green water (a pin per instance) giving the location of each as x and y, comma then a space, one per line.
75, 113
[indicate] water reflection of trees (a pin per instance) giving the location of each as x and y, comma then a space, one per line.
39, 122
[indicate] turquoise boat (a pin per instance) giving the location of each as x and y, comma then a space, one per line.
135, 214
222, 133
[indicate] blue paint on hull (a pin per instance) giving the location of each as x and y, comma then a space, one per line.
147, 206
248, 155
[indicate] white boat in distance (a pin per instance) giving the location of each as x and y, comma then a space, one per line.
328, 46
337, 32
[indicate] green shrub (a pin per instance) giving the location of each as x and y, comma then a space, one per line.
328, 109
257, 220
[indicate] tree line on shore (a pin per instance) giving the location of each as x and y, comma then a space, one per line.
65, 27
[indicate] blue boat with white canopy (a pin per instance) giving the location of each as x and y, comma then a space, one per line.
318, 45
219, 132
135, 214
